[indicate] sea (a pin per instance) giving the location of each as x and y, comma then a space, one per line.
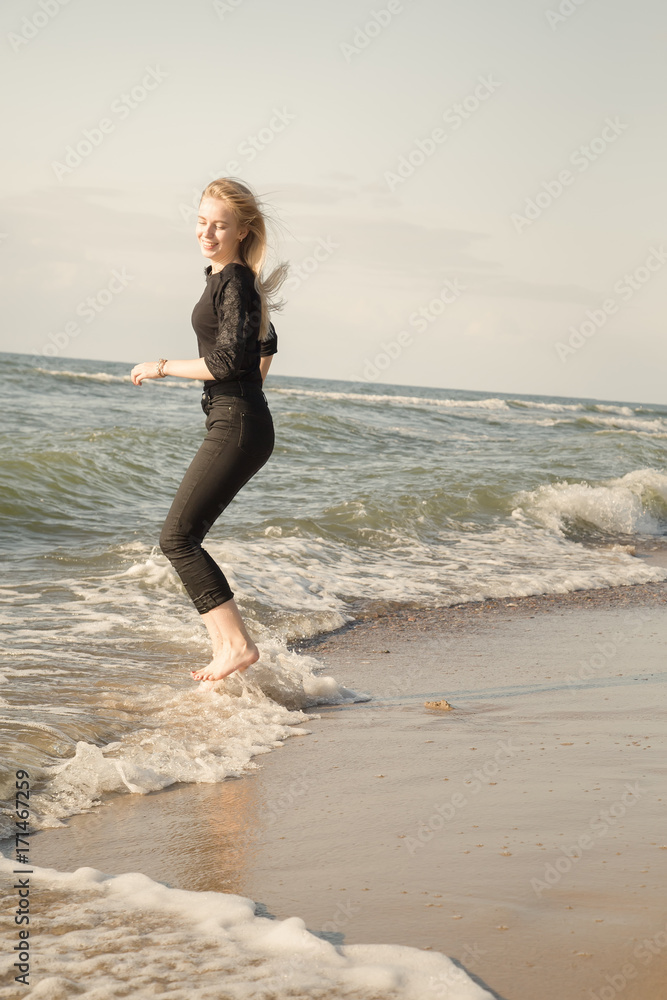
376, 497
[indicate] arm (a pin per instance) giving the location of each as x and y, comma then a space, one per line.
267, 349
230, 305
196, 368
226, 357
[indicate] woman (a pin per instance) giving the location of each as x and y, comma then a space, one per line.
236, 342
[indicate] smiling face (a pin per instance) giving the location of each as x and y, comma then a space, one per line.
218, 232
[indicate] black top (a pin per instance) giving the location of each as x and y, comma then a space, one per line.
226, 320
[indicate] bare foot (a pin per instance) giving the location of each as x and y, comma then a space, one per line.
226, 661
206, 685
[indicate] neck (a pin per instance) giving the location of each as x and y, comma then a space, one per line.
217, 266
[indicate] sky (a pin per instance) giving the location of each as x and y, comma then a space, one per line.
470, 192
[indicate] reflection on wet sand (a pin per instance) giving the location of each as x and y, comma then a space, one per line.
165, 835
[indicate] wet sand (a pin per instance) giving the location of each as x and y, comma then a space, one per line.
521, 833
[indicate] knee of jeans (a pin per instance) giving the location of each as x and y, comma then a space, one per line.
174, 542
170, 542
165, 543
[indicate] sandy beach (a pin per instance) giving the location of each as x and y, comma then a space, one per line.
520, 832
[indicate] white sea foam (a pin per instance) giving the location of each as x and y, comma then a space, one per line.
8, 595
308, 581
127, 935
625, 411
535, 404
188, 735
107, 377
650, 429
623, 423
489, 403
295, 585
631, 504
311, 582
652, 435
367, 397
86, 376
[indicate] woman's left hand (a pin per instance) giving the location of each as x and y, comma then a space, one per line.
147, 369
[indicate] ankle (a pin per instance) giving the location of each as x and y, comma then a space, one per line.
234, 647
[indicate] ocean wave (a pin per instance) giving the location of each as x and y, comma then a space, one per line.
634, 504
652, 429
107, 377
492, 403
587, 410
624, 411
186, 944
650, 435
620, 423
534, 404
86, 376
293, 582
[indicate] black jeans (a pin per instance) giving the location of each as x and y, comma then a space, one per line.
240, 440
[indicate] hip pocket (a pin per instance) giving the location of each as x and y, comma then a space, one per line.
220, 415
256, 434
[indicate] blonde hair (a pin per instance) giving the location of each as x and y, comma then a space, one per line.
251, 215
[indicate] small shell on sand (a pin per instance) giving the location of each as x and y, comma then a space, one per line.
443, 705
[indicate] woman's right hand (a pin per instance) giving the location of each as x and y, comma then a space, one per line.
147, 369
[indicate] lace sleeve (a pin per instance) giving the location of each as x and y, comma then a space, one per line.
226, 358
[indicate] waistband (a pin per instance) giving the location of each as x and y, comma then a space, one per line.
233, 388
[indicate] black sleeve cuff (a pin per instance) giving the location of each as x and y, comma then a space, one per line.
270, 345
